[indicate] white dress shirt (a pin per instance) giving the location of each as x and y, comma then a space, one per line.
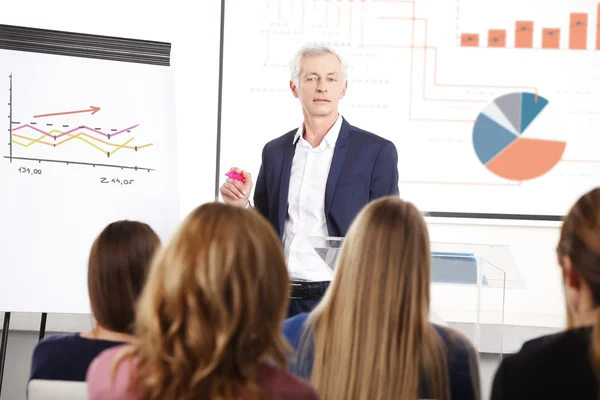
306, 206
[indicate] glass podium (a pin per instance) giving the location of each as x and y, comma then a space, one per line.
468, 286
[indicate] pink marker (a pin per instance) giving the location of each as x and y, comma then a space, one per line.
236, 176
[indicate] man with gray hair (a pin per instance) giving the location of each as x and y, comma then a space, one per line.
315, 179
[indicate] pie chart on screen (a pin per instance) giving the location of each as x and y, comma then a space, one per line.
514, 139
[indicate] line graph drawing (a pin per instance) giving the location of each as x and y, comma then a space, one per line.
27, 135
61, 133
80, 136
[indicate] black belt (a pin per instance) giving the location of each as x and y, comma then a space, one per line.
307, 290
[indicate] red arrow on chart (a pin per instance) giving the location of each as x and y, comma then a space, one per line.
92, 109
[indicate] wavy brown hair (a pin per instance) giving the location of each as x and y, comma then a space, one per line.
580, 241
212, 309
372, 335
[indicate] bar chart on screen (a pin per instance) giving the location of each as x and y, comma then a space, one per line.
529, 26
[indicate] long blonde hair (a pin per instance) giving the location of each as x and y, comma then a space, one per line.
372, 338
212, 309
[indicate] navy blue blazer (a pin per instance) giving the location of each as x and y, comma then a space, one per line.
364, 168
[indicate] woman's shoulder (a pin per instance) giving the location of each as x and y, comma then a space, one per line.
456, 342
282, 384
556, 366
572, 338
106, 382
107, 357
59, 341
463, 364
295, 322
74, 344
461, 354
52, 354
553, 351
293, 327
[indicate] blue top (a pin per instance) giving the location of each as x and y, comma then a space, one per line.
463, 371
66, 357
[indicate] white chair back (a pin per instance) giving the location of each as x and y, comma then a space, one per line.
41, 389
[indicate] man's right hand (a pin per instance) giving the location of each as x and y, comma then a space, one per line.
236, 192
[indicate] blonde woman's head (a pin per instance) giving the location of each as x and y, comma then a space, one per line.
213, 307
385, 262
373, 320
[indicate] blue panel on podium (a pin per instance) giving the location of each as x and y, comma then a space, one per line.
458, 268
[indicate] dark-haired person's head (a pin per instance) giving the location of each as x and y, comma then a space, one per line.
117, 269
119, 262
565, 365
208, 322
578, 253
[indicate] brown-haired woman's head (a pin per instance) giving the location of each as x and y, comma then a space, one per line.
579, 255
213, 307
118, 264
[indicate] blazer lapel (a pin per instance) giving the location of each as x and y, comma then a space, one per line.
284, 183
337, 163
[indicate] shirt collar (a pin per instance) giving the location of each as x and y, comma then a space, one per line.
330, 137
